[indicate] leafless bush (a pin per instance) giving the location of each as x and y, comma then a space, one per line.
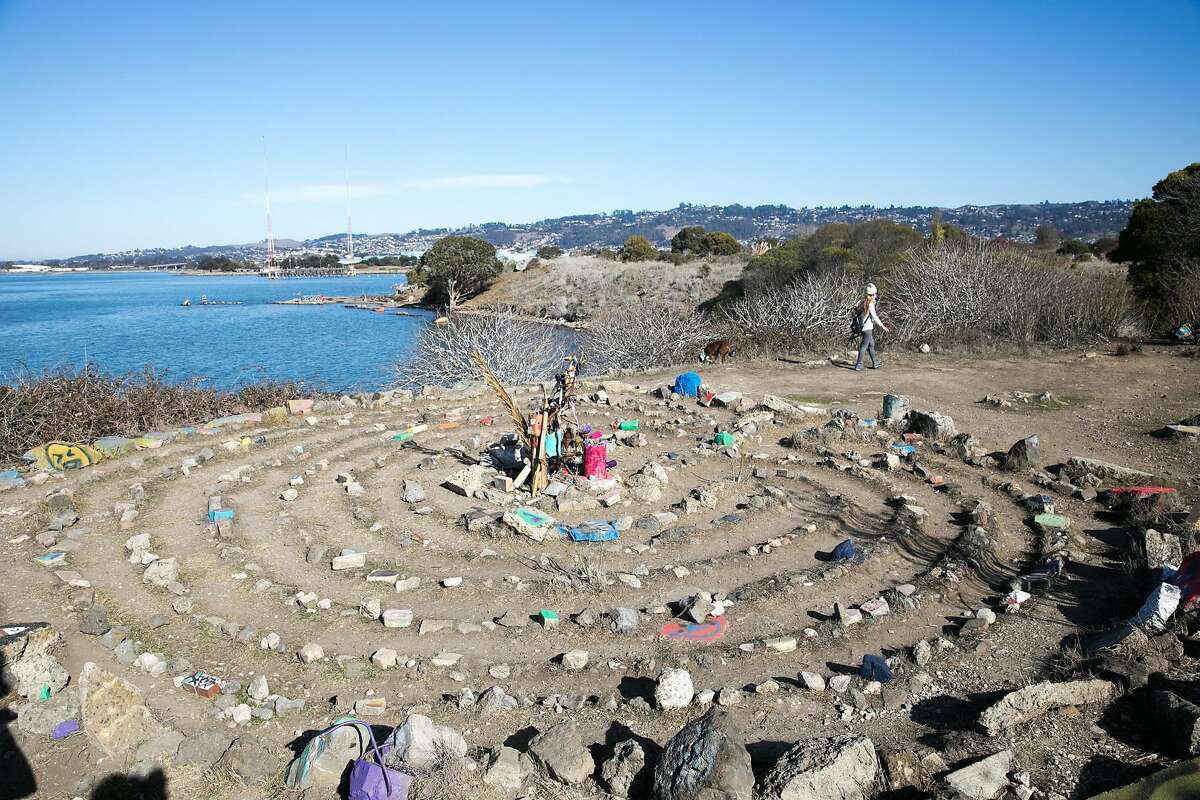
977, 287
1181, 287
83, 404
517, 350
814, 309
651, 334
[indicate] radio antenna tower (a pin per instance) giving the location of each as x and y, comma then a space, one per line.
269, 270
349, 228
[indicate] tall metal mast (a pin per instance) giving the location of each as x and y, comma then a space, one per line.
349, 228
270, 269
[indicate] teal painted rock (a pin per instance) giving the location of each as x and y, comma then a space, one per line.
1052, 521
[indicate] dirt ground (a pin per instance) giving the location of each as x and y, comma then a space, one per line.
761, 534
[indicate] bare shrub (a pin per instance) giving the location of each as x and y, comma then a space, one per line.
1181, 288
980, 288
651, 334
517, 350
83, 404
813, 309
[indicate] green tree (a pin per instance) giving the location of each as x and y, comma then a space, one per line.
691, 239
868, 249
719, 243
548, 252
637, 248
464, 262
1074, 247
1163, 230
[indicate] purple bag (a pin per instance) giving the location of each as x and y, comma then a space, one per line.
371, 780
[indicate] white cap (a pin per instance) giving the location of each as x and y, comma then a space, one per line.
871, 289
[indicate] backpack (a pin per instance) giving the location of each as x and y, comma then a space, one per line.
856, 322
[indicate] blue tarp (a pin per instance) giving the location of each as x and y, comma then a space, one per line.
844, 551
687, 384
874, 668
598, 531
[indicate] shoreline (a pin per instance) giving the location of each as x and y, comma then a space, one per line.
194, 273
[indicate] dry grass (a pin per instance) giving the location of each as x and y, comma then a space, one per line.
84, 404
580, 287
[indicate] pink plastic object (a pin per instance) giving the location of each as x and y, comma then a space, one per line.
595, 460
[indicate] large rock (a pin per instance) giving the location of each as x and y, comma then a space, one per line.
508, 769
1177, 722
33, 672
559, 753
674, 689
40, 717
1024, 455
162, 572
203, 749
984, 779
706, 760
115, 717
932, 425
253, 762
625, 773
838, 768
94, 621
1114, 474
1161, 549
420, 743
1031, 702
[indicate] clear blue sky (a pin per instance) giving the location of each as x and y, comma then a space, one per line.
140, 124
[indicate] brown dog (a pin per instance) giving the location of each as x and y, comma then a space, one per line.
718, 348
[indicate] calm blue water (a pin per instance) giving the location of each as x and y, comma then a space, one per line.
127, 320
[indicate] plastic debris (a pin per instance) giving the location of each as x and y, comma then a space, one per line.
1158, 609
723, 439
687, 384
874, 668
592, 531
708, 631
844, 551
64, 729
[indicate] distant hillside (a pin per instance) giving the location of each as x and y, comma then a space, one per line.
1088, 221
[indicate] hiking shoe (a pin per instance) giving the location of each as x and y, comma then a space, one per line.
877, 366
858, 367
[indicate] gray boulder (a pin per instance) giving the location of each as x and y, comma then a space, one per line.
40, 717
161, 572
33, 672
838, 768
508, 769
203, 749
1024, 455
94, 621
706, 760
1178, 723
559, 753
625, 773
420, 743
255, 763
984, 779
930, 424
1077, 468
1031, 702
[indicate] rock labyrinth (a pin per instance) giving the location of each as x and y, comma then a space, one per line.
350, 578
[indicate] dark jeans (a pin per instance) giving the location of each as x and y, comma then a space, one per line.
866, 346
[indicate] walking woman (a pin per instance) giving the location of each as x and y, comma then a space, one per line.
866, 320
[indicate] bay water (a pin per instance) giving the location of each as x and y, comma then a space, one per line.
127, 320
